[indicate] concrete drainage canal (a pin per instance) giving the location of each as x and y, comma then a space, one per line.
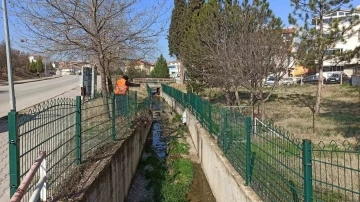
168, 170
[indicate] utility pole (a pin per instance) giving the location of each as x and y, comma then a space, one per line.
8, 58
45, 68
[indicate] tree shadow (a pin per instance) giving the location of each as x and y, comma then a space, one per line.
3, 125
244, 97
346, 114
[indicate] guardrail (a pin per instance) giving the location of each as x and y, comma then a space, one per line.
40, 189
154, 80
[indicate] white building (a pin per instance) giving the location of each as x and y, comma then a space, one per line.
353, 41
174, 69
32, 58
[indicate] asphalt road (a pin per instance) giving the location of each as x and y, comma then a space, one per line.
29, 94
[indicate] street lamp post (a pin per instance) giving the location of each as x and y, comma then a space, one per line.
45, 68
8, 59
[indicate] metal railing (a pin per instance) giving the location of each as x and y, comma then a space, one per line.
40, 190
274, 163
154, 80
71, 131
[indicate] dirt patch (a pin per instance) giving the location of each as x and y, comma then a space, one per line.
74, 187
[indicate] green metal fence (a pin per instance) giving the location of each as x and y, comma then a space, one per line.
70, 131
274, 163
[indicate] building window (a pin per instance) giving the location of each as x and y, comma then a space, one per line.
333, 51
358, 35
341, 13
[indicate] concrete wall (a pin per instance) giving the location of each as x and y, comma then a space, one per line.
226, 184
114, 181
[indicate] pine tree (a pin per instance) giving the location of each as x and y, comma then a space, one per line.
32, 67
319, 34
202, 23
39, 65
177, 27
161, 70
177, 32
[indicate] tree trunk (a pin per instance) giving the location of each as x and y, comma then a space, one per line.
313, 114
262, 102
318, 93
237, 96
228, 97
181, 72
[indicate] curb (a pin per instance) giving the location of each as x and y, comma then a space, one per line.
29, 81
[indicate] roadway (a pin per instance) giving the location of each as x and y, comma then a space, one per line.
29, 94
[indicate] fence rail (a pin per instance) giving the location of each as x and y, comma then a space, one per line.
21, 191
154, 80
274, 163
71, 131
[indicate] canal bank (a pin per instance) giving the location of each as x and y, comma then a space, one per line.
168, 169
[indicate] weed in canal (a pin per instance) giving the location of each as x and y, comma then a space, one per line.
169, 178
176, 118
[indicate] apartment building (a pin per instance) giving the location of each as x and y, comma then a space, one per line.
334, 65
174, 69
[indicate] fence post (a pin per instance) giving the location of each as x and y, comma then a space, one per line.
224, 132
113, 133
248, 151
307, 165
14, 152
78, 130
135, 110
128, 109
210, 120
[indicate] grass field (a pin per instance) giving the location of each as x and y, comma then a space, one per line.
288, 107
339, 117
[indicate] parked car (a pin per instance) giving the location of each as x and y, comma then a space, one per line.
314, 79
286, 81
270, 81
336, 78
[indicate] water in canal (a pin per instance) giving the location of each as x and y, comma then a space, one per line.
153, 167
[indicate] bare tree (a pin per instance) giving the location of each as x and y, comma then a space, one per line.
232, 46
103, 31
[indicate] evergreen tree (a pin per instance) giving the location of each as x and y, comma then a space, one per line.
32, 67
161, 70
317, 40
177, 32
181, 20
177, 27
39, 65
199, 68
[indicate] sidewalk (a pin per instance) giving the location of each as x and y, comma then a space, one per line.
5, 83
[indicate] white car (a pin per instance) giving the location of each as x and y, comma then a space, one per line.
286, 81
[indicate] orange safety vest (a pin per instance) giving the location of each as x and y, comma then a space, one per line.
121, 88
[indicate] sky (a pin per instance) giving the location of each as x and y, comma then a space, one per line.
281, 8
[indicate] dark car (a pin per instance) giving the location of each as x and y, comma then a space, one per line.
311, 79
336, 78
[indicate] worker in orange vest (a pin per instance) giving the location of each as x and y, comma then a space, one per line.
121, 94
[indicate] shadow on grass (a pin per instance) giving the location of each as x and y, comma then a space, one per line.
243, 95
346, 115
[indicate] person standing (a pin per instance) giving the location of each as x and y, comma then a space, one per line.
121, 92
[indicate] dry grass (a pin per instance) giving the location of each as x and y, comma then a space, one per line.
288, 107
339, 118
